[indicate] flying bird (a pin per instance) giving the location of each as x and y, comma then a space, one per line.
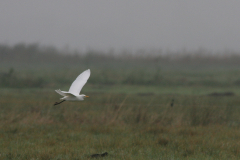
74, 92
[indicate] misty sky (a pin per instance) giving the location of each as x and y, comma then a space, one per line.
123, 24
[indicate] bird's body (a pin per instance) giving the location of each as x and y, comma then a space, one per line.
69, 96
74, 92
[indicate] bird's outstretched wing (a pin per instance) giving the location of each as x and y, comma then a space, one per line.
60, 92
79, 82
64, 93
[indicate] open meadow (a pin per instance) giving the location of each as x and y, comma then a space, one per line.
139, 107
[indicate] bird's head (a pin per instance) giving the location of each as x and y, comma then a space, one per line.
83, 96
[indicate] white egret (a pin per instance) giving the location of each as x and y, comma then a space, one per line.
74, 92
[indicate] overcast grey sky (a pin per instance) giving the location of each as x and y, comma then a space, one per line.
123, 24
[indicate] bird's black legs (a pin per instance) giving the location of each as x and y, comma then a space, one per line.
56, 103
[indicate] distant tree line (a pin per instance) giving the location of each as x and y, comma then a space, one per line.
22, 52
142, 67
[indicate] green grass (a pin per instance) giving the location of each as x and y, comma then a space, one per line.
140, 142
127, 126
128, 114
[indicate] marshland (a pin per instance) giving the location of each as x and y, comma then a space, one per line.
141, 106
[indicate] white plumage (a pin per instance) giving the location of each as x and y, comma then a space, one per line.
74, 91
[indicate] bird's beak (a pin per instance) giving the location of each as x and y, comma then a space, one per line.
86, 96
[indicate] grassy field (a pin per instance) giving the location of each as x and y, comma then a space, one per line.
127, 126
139, 107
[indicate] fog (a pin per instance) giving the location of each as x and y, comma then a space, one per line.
119, 25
